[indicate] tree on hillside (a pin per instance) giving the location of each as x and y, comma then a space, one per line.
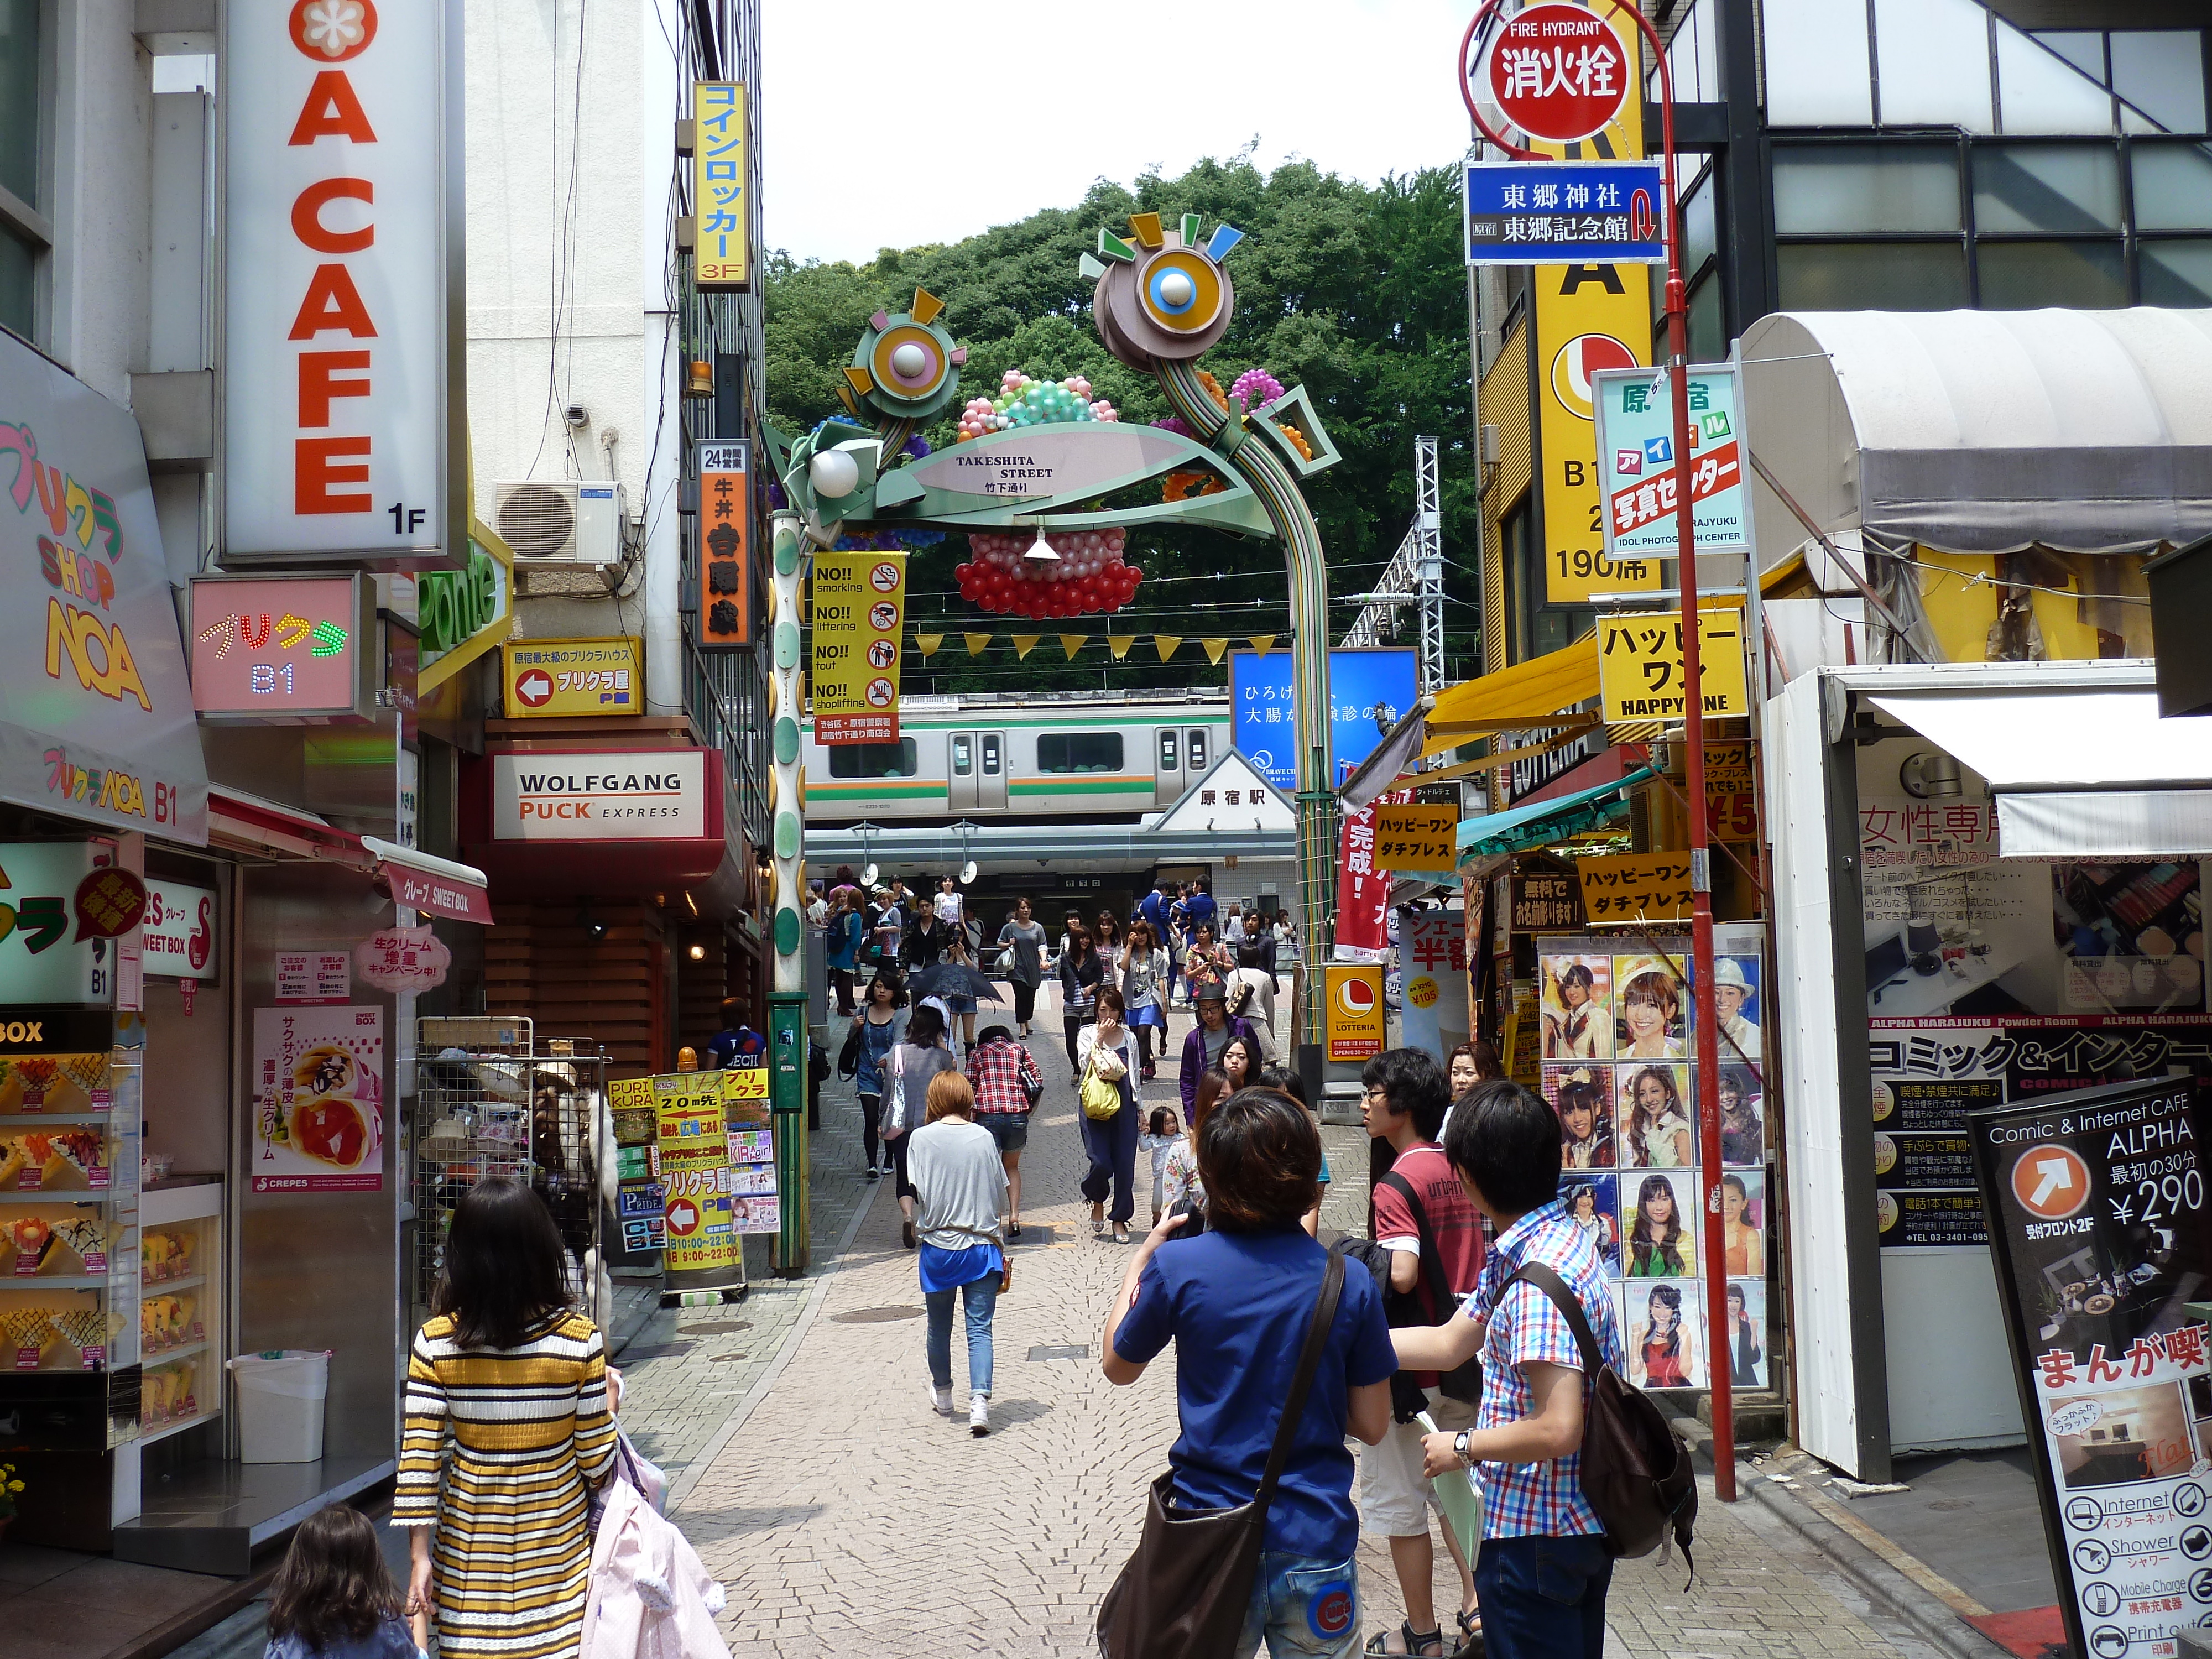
1358, 294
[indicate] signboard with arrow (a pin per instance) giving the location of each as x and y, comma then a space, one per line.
564, 679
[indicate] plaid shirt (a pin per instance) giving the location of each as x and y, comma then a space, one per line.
997, 1070
1538, 1499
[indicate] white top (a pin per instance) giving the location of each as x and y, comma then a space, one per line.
947, 906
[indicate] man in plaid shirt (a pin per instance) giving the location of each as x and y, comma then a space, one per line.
1006, 1083
1543, 1571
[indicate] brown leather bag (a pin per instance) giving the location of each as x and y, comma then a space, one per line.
1185, 1592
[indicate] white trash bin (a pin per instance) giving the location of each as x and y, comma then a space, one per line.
280, 1404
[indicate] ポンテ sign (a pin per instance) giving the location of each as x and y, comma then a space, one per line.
1556, 71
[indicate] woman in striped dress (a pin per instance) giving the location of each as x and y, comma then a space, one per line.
516, 1380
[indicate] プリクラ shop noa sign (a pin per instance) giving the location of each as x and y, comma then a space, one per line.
650, 796
338, 170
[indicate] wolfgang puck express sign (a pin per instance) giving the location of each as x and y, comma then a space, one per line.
336, 418
2097, 1213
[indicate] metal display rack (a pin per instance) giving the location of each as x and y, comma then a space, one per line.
490, 1100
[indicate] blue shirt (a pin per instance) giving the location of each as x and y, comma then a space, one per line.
1202, 909
1237, 1305
389, 1640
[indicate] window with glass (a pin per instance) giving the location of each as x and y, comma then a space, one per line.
993, 762
2160, 73
1195, 746
964, 755
1170, 751
20, 119
1079, 751
874, 760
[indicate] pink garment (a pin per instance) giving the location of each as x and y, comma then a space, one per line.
651, 1597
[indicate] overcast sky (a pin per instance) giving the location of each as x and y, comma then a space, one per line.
888, 126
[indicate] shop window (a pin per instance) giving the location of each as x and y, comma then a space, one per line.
1873, 276
2028, 276
2177, 273
1887, 188
874, 760
19, 270
1932, 65
2046, 187
1708, 333
2173, 187
20, 116
1079, 751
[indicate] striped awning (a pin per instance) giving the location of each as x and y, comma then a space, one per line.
1543, 821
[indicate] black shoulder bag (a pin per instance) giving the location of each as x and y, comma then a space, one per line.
1464, 1384
1185, 1592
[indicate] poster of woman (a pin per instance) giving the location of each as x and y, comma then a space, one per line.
1593, 1204
1743, 1223
1650, 1021
1745, 1339
1662, 1327
1583, 1097
1578, 1007
1656, 1126
1743, 1123
1660, 1241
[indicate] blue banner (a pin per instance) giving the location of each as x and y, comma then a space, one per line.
1370, 691
1526, 213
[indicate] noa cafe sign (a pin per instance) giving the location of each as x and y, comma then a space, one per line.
337, 418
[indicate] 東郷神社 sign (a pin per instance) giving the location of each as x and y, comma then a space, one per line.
1521, 213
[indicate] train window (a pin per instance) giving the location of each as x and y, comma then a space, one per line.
874, 760
991, 758
1079, 751
1168, 747
1195, 750
963, 755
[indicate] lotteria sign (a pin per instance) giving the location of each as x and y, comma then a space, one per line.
337, 414
649, 795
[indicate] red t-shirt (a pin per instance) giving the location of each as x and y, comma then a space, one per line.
1454, 1224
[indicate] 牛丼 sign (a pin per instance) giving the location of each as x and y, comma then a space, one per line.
1639, 665
1523, 213
644, 795
276, 648
860, 606
721, 208
1635, 462
340, 171
1417, 836
1631, 887
548, 679
726, 579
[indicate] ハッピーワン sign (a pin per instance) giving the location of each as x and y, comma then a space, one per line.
337, 414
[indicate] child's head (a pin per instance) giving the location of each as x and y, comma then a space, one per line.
333, 1584
1164, 1122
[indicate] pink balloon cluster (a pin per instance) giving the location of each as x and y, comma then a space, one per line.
1257, 388
1023, 401
1089, 575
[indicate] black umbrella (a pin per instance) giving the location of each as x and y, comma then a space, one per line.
953, 979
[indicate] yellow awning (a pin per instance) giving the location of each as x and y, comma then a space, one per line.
1528, 694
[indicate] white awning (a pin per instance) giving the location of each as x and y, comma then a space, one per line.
1984, 431
2076, 774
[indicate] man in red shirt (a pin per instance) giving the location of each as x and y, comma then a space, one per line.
1423, 1217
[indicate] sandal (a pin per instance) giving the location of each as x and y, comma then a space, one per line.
1471, 1644
1014, 1229
1121, 1234
906, 1232
1416, 1641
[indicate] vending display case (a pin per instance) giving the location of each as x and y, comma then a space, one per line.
181, 1330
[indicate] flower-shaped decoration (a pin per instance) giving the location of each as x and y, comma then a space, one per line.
332, 31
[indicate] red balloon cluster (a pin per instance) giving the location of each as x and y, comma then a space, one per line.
1089, 575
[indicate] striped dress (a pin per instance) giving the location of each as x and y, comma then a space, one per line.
528, 1426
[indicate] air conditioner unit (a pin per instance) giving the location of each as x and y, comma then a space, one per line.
569, 521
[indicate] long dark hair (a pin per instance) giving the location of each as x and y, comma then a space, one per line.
505, 1270
334, 1584
1639, 1123
1251, 1059
1646, 1244
1667, 1297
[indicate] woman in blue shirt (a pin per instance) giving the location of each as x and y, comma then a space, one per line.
841, 940
1236, 1301
882, 1028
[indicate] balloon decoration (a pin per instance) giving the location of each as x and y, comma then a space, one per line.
1025, 402
1258, 389
1089, 575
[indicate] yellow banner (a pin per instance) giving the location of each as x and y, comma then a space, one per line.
1639, 665
550, 679
860, 605
1636, 887
1416, 837
694, 1164
721, 210
1351, 1018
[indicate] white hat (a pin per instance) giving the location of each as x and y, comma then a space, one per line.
1727, 970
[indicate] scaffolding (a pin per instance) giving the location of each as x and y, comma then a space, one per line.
1414, 576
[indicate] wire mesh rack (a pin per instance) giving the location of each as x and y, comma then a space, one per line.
491, 1100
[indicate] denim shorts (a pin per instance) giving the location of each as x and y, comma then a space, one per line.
1010, 1129
1302, 1606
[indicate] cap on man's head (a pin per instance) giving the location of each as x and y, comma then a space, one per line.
1212, 993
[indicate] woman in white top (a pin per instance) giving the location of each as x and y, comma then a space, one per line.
1143, 977
1108, 1049
961, 1185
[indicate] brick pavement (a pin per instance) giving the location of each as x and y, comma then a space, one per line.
845, 1519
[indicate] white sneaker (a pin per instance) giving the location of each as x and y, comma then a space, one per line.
940, 1399
979, 1414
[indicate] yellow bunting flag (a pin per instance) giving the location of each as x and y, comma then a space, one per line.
976, 643
927, 644
1263, 643
1215, 648
1025, 643
1119, 644
1166, 644
1073, 643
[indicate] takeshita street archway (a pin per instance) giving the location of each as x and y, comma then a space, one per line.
1050, 462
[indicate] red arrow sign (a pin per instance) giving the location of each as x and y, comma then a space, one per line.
534, 688
682, 1218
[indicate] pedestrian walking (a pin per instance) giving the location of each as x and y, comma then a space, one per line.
1471, 1065
334, 1598
1258, 951
1162, 1135
948, 904
1007, 1083
1109, 937
1081, 971
1241, 1062
1179, 1172
508, 1372
925, 942
841, 942
1543, 1571
1107, 1055
919, 1056
1205, 963
1237, 1303
880, 1029
1023, 941
959, 1006
1203, 1043
1423, 1217
961, 1187
1143, 977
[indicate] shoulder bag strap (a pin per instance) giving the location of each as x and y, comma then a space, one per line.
1569, 1304
1294, 1404
1432, 1265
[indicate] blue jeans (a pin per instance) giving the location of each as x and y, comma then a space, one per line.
981, 1296
1303, 1605
1543, 1598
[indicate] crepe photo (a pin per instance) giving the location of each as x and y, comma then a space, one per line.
319, 1073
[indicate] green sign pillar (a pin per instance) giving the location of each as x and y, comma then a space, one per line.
787, 1013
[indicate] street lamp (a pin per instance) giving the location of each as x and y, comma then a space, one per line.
1041, 549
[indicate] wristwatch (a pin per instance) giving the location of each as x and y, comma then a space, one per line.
1459, 1445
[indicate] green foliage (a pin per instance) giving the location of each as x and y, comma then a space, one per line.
1358, 294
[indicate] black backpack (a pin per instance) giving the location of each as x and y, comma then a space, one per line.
1465, 1383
